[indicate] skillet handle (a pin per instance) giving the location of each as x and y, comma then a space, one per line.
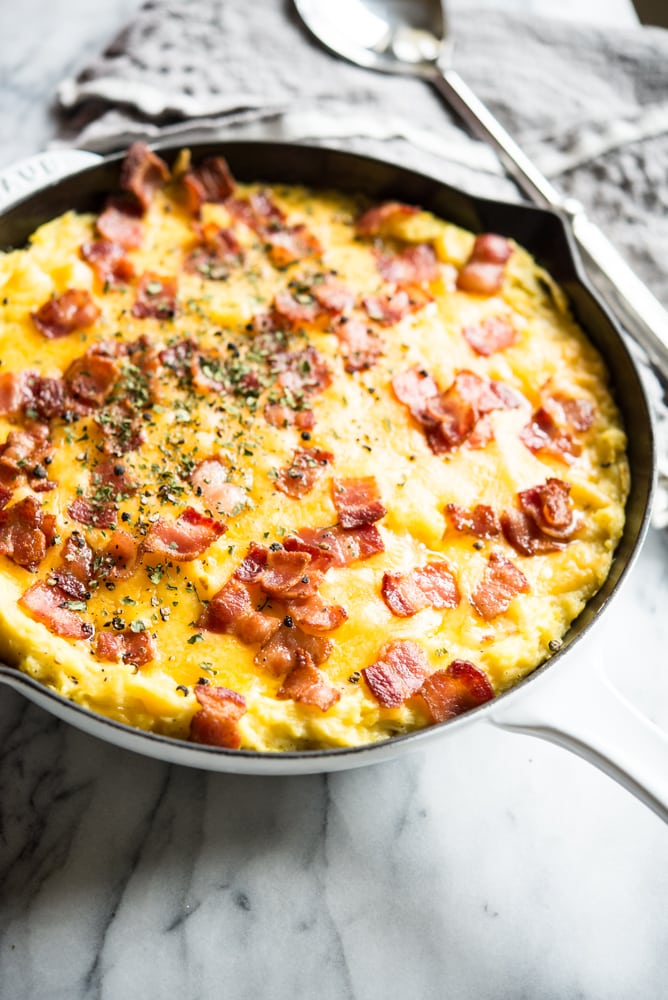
581, 711
27, 176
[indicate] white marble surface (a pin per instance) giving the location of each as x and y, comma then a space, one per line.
491, 866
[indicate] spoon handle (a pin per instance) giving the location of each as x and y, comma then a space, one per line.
631, 301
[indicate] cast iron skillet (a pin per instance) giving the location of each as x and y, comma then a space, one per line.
532, 704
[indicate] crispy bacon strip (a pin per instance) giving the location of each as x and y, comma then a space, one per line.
184, 539
481, 521
93, 514
25, 457
306, 468
278, 653
138, 648
217, 722
231, 612
109, 262
433, 585
546, 519
91, 378
289, 576
360, 344
253, 564
502, 581
156, 297
553, 426
387, 308
215, 256
336, 546
457, 689
26, 532
14, 392
209, 478
121, 223
63, 314
142, 173
210, 181
308, 685
291, 243
357, 501
375, 220
398, 673
314, 615
484, 271
490, 335
412, 266
50, 606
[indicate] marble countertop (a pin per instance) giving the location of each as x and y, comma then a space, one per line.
492, 866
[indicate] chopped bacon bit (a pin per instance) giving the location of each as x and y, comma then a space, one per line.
303, 373
357, 501
5, 496
113, 475
427, 586
576, 413
545, 521
63, 314
24, 457
332, 295
215, 256
109, 262
253, 564
336, 546
130, 647
297, 307
501, 582
398, 673
314, 614
121, 223
258, 212
26, 532
217, 722
209, 478
490, 335
279, 653
156, 297
484, 271
361, 347
416, 389
77, 556
14, 392
119, 558
308, 685
47, 397
231, 612
279, 415
457, 689
388, 308
288, 575
142, 173
91, 377
96, 515
210, 181
119, 423
184, 539
290, 244
50, 606
376, 219
307, 466
482, 521
412, 266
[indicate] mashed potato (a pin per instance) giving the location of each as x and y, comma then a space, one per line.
282, 470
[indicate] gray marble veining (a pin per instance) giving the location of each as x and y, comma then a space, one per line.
491, 867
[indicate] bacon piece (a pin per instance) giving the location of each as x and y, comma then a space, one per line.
336, 546
184, 539
490, 335
412, 266
91, 377
484, 271
120, 426
279, 415
553, 425
290, 244
427, 586
376, 219
390, 307
112, 479
457, 689
307, 466
109, 262
253, 564
209, 478
482, 521
63, 314
5, 496
119, 558
130, 647
210, 181
26, 532
14, 392
231, 612
24, 458
501, 582
313, 614
215, 256
77, 557
398, 673
357, 501
258, 212
142, 173
279, 652
308, 685
303, 373
361, 346
217, 722
121, 223
545, 521
47, 398
93, 514
50, 606
416, 389
156, 297
288, 575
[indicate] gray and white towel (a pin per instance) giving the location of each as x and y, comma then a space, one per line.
589, 106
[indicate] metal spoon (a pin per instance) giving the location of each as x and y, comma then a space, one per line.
411, 37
